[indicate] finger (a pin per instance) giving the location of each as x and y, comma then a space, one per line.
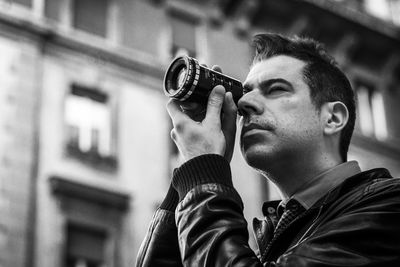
217, 68
230, 113
175, 112
173, 135
229, 124
214, 105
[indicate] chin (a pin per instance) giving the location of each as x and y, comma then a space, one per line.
256, 157
265, 156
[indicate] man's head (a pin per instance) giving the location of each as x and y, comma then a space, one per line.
315, 85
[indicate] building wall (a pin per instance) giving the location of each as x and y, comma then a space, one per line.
141, 131
18, 119
142, 146
44, 188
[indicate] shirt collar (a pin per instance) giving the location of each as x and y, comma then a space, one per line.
320, 185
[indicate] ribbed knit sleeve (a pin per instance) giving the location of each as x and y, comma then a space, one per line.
210, 168
171, 200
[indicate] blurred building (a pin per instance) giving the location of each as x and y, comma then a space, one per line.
85, 153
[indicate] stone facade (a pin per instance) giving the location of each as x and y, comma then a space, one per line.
62, 185
18, 143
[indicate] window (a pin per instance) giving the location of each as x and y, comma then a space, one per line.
85, 247
88, 123
86, 15
183, 36
53, 9
92, 223
91, 16
371, 112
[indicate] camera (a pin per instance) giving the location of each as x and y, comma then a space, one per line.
187, 81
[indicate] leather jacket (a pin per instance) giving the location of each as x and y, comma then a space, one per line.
355, 224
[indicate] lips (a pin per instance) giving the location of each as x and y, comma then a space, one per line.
249, 127
253, 127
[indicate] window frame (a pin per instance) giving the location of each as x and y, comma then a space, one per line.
109, 162
359, 75
184, 12
74, 19
86, 228
93, 207
66, 20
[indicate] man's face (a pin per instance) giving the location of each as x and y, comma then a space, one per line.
280, 124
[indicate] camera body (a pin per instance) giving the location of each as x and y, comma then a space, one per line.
187, 81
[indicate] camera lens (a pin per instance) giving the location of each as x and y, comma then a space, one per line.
177, 80
186, 80
181, 77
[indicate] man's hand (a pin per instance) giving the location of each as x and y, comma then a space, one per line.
214, 135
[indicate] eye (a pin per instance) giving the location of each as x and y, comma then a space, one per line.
276, 90
246, 90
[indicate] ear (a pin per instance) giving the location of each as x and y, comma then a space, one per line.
335, 116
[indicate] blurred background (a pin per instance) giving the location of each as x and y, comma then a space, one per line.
85, 153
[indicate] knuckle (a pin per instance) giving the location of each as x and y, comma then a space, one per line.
173, 134
215, 101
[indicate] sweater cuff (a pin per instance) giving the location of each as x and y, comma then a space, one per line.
204, 169
171, 200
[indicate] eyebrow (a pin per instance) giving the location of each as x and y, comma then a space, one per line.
267, 83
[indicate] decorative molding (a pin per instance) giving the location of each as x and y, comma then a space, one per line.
68, 188
93, 158
50, 33
363, 19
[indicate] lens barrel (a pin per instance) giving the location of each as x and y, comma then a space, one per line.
187, 80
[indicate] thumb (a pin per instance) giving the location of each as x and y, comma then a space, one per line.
214, 105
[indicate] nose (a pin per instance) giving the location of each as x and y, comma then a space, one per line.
248, 104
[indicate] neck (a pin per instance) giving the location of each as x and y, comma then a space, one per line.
290, 175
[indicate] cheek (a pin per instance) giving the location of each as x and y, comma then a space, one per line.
299, 118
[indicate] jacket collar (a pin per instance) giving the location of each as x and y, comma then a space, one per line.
322, 183
353, 181
270, 207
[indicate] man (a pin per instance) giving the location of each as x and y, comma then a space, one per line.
297, 118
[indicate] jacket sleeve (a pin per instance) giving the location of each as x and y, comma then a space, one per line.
160, 247
211, 227
364, 232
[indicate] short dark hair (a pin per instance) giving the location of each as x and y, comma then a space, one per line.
326, 81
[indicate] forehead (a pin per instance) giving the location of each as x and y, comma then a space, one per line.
286, 67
